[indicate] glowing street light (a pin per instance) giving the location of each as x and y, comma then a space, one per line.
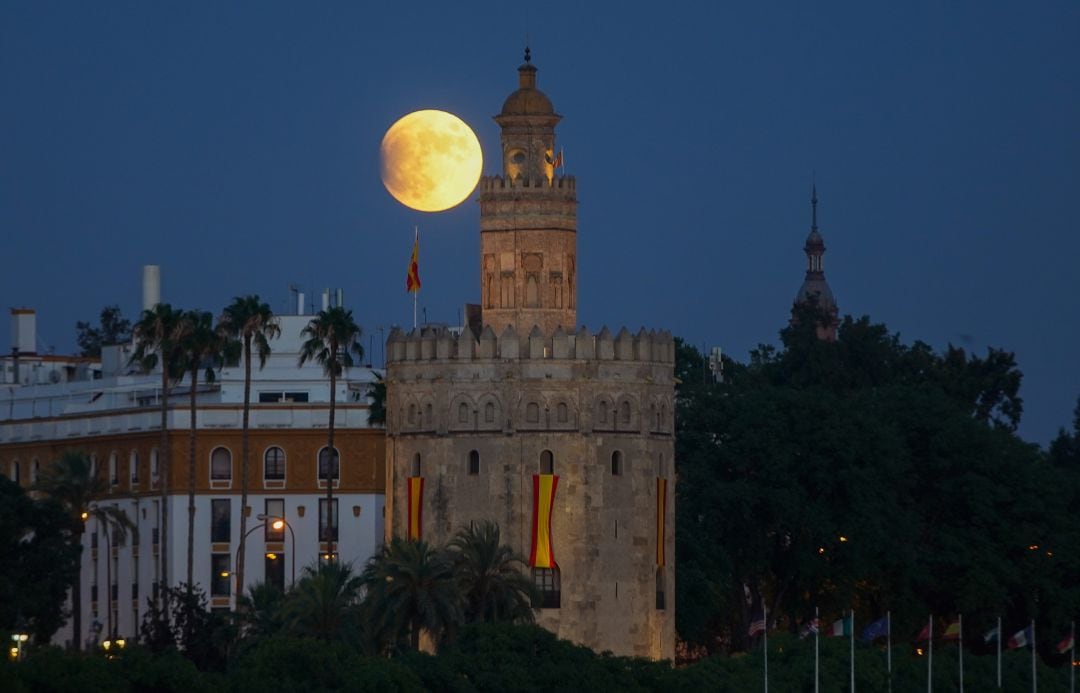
16, 649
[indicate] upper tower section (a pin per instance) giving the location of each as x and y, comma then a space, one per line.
814, 286
528, 220
528, 121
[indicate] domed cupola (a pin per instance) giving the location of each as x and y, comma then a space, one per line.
528, 121
814, 286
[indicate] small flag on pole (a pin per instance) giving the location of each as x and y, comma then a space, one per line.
952, 631
1066, 644
412, 281
757, 621
558, 163
1020, 639
841, 627
877, 629
992, 635
810, 627
924, 634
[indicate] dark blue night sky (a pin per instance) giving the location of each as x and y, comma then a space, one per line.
236, 145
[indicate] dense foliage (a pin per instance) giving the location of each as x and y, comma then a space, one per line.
868, 474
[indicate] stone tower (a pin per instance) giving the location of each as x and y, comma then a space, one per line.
563, 437
528, 220
814, 286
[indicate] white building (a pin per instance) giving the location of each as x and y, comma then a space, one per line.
112, 413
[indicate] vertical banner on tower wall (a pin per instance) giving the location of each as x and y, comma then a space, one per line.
661, 508
542, 554
416, 506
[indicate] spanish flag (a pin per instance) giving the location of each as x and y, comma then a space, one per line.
412, 281
415, 507
953, 631
542, 554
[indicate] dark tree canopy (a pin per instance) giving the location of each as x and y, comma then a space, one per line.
113, 329
869, 474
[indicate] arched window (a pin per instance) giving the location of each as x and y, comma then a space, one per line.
616, 463
416, 465
601, 413
624, 412
547, 462
412, 414
532, 412
274, 464
221, 465
489, 412
329, 464
562, 413
463, 413
474, 462
133, 463
429, 417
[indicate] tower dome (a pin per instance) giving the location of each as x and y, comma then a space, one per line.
814, 287
527, 100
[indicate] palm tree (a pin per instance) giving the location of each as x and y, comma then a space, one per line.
72, 482
202, 352
261, 611
412, 588
489, 573
158, 335
116, 525
249, 322
333, 337
325, 601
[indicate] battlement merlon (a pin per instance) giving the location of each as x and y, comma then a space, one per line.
440, 344
562, 186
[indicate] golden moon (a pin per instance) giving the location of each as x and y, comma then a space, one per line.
430, 160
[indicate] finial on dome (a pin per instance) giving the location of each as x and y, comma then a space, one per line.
813, 207
528, 54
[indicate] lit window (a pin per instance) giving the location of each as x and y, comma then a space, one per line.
220, 572
275, 508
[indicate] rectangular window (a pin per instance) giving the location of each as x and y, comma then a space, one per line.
547, 583
323, 534
155, 534
93, 540
220, 572
134, 590
220, 520
275, 508
275, 570
93, 593
114, 592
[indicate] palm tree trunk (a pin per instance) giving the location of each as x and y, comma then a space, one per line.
76, 589
331, 457
163, 473
108, 584
191, 482
244, 450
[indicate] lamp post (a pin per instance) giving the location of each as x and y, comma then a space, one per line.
277, 523
18, 639
236, 561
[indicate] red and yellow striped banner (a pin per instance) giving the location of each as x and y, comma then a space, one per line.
542, 554
416, 507
661, 511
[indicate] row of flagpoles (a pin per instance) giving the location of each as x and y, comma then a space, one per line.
883, 628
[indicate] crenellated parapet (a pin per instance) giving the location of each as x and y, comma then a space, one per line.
440, 344
500, 184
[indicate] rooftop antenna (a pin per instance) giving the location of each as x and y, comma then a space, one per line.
813, 206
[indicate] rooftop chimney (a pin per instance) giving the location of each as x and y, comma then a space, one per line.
151, 286
24, 330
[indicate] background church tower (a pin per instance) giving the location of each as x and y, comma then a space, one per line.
814, 286
528, 220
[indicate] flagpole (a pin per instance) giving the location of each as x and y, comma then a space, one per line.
817, 634
1034, 679
765, 642
960, 620
999, 651
1072, 658
851, 615
930, 659
416, 294
888, 647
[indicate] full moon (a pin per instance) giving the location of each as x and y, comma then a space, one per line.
430, 160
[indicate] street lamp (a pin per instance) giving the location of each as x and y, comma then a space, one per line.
278, 523
16, 649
